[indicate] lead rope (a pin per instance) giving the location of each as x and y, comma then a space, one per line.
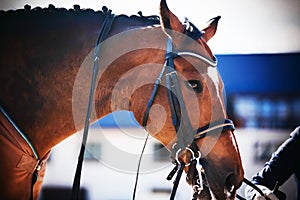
109, 18
280, 195
247, 182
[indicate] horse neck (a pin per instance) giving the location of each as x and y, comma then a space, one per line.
129, 60
39, 66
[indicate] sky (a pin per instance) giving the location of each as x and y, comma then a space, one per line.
246, 26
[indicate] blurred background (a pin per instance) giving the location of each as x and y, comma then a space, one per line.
258, 48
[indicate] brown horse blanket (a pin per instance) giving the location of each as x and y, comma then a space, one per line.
18, 164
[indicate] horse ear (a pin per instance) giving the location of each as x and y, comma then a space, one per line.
169, 21
211, 29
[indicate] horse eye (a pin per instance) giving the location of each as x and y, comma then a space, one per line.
194, 85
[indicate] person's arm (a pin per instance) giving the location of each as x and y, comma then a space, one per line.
281, 165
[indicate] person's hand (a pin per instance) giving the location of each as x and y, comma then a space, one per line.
252, 194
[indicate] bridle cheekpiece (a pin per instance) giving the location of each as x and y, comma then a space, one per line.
186, 135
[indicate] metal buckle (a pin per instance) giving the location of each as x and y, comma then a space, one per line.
200, 180
192, 158
171, 73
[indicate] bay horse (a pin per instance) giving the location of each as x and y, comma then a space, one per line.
45, 73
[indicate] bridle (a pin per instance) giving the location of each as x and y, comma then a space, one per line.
186, 136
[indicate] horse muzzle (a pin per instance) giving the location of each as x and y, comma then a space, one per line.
223, 167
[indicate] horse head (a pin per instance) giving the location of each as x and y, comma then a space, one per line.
133, 60
202, 92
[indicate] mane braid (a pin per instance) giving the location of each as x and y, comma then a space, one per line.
38, 13
52, 9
